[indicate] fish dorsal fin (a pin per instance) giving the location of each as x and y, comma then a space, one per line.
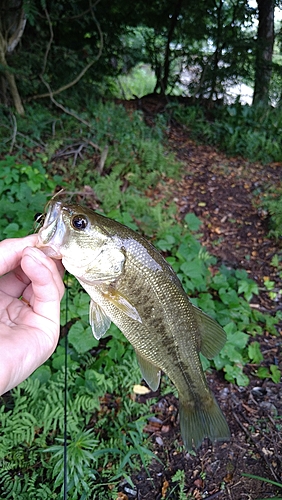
213, 337
121, 302
98, 320
150, 372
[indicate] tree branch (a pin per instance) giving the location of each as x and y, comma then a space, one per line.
16, 36
81, 74
65, 110
48, 44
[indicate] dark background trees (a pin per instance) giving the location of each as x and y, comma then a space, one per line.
52, 48
264, 50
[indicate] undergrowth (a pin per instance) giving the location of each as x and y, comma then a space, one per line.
254, 132
106, 440
271, 202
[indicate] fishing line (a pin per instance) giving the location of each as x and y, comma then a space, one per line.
39, 221
66, 396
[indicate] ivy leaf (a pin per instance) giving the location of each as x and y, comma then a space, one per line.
238, 339
81, 338
43, 374
229, 297
263, 372
254, 352
192, 221
248, 288
275, 374
235, 373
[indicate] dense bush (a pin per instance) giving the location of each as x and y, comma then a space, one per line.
254, 132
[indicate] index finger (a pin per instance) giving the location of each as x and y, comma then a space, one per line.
11, 251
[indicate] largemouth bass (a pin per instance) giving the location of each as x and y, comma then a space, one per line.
131, 284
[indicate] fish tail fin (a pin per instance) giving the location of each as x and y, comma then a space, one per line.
198, 421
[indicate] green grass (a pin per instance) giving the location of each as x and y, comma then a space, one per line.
138, 82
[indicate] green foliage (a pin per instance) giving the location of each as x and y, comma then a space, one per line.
24, 190
254, 132
32, 432
106, 441
271, 201
117, 38
273, 373
224, 295
138, 82
179, 478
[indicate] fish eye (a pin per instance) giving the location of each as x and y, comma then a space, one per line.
79, 222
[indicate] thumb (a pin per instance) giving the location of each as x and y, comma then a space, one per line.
46, 282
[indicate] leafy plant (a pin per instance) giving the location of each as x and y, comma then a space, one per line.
104, 420
271, 201
179, 478
138, 82
33, 431
250, 131
225, 295
24, 190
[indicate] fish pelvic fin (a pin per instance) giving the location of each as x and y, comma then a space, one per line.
150, 372
198, 421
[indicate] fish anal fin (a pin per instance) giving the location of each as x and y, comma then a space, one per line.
121, 302
200, 421
98, 320
213, 337
150, 372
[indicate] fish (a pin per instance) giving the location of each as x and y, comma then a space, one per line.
132, 285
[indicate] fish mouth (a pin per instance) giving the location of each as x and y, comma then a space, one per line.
47, 233
51, 234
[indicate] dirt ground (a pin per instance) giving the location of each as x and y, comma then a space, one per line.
221, 191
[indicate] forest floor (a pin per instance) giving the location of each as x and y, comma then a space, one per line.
222, 192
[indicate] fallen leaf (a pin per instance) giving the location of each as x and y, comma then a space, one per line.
140, 389
122, 496
165, 488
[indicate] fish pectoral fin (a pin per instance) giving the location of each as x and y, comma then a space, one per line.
213, 337
121, 302
98, 320
150, 372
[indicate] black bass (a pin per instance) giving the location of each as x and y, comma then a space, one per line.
131, 284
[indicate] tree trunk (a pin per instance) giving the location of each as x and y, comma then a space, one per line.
167, 61
162, 73
10, 79
12, 24
264, 51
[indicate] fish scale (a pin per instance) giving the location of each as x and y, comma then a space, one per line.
131, 284
174, 312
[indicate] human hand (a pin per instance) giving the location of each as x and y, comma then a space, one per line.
29, 327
